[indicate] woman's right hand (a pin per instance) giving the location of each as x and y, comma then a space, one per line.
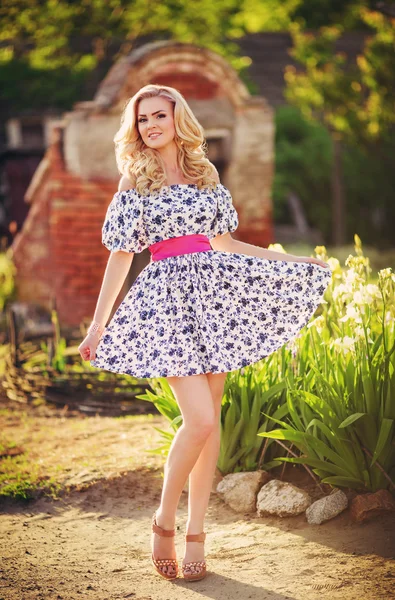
88, 346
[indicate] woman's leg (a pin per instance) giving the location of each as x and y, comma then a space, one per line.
193, 396
202, 474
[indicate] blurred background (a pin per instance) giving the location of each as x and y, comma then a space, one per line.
296, 98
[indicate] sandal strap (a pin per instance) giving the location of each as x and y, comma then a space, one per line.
200, 563
195, 537
160, 530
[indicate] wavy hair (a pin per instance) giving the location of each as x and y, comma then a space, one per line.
145, 165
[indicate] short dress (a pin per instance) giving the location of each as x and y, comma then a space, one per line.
202, 312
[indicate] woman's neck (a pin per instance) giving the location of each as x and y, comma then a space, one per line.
173, 172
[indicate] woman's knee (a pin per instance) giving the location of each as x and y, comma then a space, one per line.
194, 398
200, 428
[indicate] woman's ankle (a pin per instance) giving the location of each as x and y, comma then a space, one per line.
165, 521
194, 528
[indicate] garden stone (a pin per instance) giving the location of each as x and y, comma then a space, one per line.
327, 508
368, 506
281, 499
239, 490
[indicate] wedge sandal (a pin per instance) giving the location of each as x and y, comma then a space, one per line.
198, 566
160, 563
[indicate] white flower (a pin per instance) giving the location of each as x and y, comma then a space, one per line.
359, 333
351, 276
345, 345
366, 294
343, 291
351, 313
318, 323
373, 289
385, 273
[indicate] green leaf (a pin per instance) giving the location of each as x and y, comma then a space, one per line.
351, 419
350, 482
384, 439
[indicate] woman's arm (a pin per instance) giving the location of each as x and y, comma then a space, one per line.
117, 268
225, 243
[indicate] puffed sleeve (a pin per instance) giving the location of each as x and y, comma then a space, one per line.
123, 227
227, 219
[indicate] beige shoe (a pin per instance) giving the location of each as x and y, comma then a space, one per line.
161, 564
198, 568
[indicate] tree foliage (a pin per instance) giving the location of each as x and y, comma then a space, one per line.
303, 165
355, 101
44, 44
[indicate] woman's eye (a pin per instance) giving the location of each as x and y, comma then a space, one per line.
142, 119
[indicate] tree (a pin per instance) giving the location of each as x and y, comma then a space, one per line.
354, 101
56, 51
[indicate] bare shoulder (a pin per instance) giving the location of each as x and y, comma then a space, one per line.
215, 174
126, 183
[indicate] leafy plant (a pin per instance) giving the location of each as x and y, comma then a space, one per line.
7, 278
340, 411
247, 393
163, 398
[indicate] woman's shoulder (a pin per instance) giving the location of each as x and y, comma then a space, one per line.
126, 183
215, 174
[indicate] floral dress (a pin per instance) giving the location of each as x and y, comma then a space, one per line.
203, 312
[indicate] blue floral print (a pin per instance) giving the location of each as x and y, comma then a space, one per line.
204, 312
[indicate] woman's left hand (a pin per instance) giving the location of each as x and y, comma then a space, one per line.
317, 261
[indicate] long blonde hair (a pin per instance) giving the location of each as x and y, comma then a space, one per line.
145, 165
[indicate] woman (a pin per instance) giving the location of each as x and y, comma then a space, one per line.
205, 305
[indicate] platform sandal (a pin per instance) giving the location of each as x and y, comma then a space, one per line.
199, 566
159, 563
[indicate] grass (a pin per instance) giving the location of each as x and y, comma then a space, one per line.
21, 475
44, 453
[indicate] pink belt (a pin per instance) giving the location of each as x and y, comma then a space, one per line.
185, 244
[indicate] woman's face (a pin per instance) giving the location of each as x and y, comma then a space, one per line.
155, 116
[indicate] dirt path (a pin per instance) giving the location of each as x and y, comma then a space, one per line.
95, 541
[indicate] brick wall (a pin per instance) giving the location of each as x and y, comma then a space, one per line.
58, 254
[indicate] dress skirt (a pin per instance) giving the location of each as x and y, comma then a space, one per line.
209, 312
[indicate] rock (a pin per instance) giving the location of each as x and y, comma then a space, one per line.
281, 499
239, 490
368, 506
326, 508
216, 480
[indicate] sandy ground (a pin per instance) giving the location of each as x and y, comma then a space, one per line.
94, 542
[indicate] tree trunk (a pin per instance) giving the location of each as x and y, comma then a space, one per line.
338, 205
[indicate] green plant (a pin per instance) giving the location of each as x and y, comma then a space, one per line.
340, 394
7, 278
163, 399
246, 394
21, 478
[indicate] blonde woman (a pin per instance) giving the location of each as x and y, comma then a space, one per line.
205, 305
